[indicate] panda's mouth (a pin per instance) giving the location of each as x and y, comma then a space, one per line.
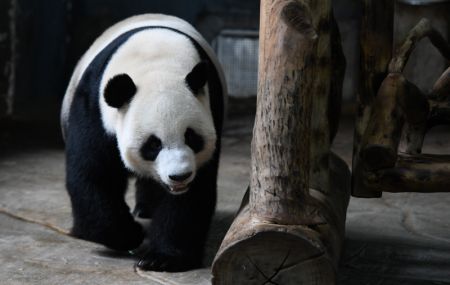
177, 189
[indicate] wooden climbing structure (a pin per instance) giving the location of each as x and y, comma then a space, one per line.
291, 224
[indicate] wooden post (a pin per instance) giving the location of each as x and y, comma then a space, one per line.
286, 232
327, 98
376, 52
281, 134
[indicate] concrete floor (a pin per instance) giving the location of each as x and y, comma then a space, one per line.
398, 239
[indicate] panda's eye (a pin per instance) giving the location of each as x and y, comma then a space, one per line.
193, 140
151, 148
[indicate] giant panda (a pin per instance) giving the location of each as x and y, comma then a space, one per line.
146, 100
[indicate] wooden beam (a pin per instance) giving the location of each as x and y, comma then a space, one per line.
416, 109
421, 30
441, 89
328, 94
382, 136
424, 173
376, 52
420, 114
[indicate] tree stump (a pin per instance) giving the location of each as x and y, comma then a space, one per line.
287, 232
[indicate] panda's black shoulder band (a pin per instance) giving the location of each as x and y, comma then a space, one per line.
198, 77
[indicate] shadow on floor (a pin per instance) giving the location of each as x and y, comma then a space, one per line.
393, 263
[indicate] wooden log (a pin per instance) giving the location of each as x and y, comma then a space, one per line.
339, 64
255, 251
441, 89
282, 125
440, 101
327, 98
421, 30
416, 109
418, 173
376, 52
286, 232
382, 136
439, 114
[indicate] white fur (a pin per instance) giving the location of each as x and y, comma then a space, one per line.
163, 105
121, 27
176, 161
158, 61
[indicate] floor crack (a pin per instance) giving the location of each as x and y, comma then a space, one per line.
36, 222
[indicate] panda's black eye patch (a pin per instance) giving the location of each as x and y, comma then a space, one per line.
151, 148
193, 140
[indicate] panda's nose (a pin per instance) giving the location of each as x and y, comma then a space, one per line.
180, 177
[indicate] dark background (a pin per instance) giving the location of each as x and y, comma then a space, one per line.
51, 35
41, 41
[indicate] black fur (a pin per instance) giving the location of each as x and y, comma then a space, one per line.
193, 140
180, 223
119, 90
151, 148
96, 178
197, 78
97, 181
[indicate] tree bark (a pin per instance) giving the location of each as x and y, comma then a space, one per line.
287, 232
327, 98
281, 135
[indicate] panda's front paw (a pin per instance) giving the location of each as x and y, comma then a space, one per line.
117, 234
154, 261
125, 237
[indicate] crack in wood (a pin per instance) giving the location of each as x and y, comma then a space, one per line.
257, 268
278, 269
269, 280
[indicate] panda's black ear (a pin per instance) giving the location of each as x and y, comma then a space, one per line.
198, 77
119, 90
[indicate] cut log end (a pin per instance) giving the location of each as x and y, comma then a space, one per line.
256, 251
274, 255
378, 156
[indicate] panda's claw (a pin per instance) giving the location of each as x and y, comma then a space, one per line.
163, 262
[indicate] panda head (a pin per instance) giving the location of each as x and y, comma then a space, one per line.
163, 124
